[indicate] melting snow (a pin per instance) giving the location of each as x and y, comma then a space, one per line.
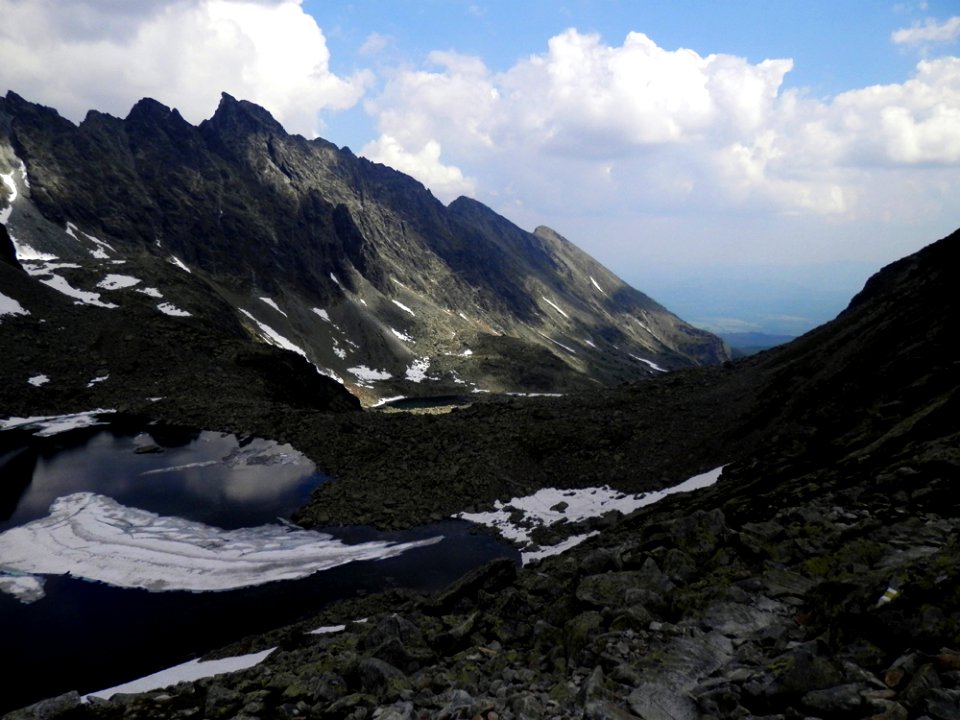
82, 297
38, 380
11, 197
272, 304
25, 588
364, 373
648, 362
555, 306
403, 307
556, 342
187, 672
49, 425
117, 282
417, 372
179, 263
60, 284
538, 509
172, 310
403, 336
26, 253
327, 629
273, 337
94, 537
9, 306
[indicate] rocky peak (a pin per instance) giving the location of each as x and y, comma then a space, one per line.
240, 117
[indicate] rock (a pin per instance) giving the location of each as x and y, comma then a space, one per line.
835, 700
923, 681
381, 678
222, 702
601, 560
458, 703
658, 702
397, 711
578, 630
490, 578
50, 709
800, 671
605, 710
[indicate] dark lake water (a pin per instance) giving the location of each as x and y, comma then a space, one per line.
86, 635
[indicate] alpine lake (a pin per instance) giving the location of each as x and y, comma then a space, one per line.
119, 551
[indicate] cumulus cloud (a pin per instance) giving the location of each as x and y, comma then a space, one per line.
639, 128
929, 32
424, 164
107, 54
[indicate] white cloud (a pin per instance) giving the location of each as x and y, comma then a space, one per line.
107, 55
588, 135
374, 44
446, 181
930, 32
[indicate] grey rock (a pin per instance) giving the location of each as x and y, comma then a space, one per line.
839, 699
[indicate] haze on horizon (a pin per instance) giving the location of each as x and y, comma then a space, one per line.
747, 165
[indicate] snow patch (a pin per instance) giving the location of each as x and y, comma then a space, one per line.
597, 286
99, 379
12, 194
94, 537
272, 304
403, 307
44, 272
172, 310
25, 588
648, 362
403, 336
362, 372
179, 263
150, 292
271, 336
324, 315
544, 508
558, 343
327, 629
186, 672
9, 306
49, 425
417, 372
38, 380
117, 282
27, 253
556, 307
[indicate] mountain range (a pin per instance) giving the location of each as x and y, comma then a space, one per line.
241, 231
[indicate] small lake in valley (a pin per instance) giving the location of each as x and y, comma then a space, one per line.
126, 548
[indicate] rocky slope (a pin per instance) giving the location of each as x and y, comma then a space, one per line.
816, 579
297, 243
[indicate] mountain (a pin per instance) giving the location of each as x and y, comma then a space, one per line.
816, 578
747, 343
265, 236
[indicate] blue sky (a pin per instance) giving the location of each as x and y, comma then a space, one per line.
746, 163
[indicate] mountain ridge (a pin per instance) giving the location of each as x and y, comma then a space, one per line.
260, 213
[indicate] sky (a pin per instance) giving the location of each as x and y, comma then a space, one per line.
746, 163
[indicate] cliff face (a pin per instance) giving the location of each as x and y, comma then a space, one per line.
368, 276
